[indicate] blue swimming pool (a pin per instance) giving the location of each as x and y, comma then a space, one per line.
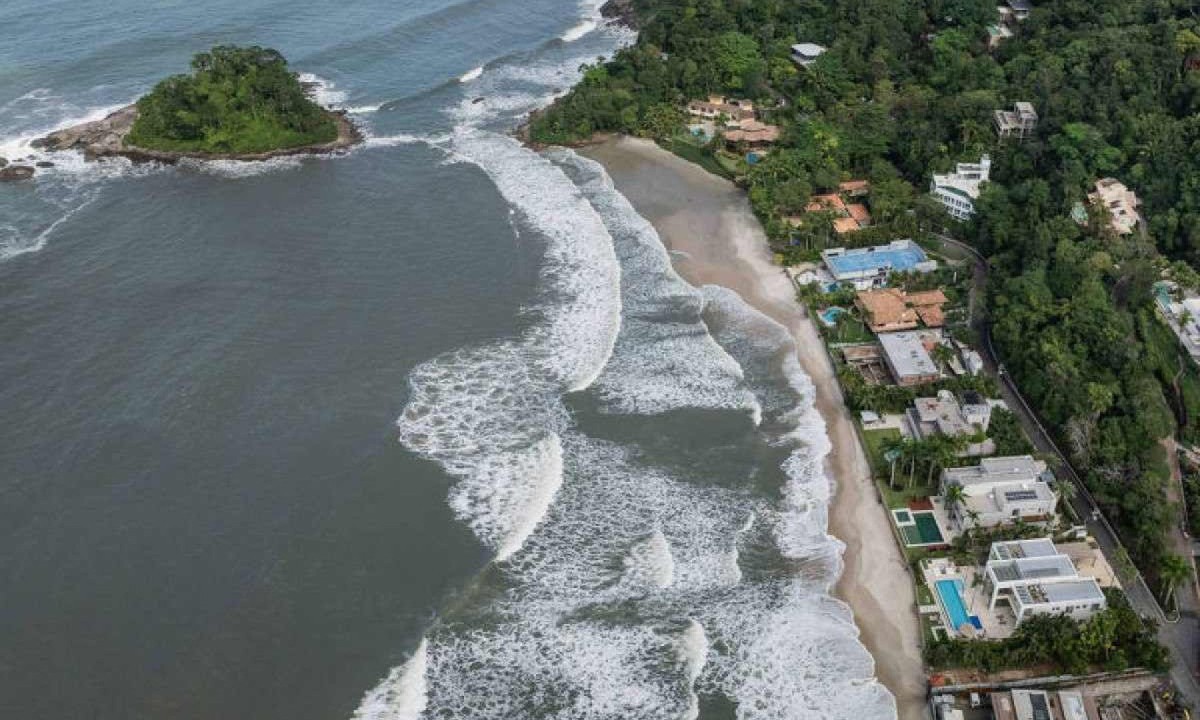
829, 316
875, 259
950, 592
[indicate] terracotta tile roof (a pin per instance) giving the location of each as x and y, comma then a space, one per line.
893, 309
932, 315
753, 131
886, 309
833, 202
859, 212
927, 297
855, 187
844, 225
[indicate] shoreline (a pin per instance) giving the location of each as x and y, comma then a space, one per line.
707, 224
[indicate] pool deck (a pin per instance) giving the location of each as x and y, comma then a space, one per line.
997, 624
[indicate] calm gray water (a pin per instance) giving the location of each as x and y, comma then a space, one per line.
427, 430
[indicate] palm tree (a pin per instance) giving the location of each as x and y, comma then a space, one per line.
1173, 571
954, 497
893, 449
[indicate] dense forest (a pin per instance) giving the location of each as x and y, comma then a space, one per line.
237, 100
908, 88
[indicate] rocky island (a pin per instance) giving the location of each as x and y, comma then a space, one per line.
237, 104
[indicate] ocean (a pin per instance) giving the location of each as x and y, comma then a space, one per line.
431, 429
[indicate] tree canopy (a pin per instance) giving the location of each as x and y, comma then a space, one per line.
236, 100
906, 89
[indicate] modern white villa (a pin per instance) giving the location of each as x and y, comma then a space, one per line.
999, 491
1034, 578
869, 267
959, 190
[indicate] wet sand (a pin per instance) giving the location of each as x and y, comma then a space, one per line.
715, 239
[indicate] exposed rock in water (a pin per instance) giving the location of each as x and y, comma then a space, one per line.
44, 164
3, 162
620, 12
106, 138
16, 172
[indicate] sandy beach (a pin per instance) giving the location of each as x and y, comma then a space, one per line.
715, 239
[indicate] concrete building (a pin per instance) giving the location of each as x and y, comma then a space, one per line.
893, 309
717, 106
959, 190
1121, 203
1034, 578
949, 416
1020, 8
907, 359
806, 53
1035, 704
869, 267
1020, 122
997, 34
999, 491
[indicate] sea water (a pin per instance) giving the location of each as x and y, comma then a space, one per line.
430, 429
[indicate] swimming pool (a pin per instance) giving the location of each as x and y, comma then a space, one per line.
950, 593
885, 257
829, 316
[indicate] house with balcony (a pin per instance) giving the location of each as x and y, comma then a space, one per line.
1020, 122
959, 190
951, 416
1034, 578
1000, 491
734, 111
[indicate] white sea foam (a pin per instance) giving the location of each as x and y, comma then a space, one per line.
472, 74
402, 694
628, 588
693, 655
579, 31
324, 92
650, 563
662, 334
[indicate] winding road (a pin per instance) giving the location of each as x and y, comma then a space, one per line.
1180, 635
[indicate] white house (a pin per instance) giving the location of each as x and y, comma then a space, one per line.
959, 190
869, 267
806, 53
1036, 579
1000, 490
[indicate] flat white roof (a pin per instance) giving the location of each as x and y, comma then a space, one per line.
1013, 549
807, 48
1082, 590
1072, 705
907, 354
1013, 468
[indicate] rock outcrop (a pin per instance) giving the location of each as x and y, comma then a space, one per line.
15, 172
620, 12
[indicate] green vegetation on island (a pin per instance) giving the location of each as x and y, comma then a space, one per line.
237, 100
907, 89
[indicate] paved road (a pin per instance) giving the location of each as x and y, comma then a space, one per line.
1182, 638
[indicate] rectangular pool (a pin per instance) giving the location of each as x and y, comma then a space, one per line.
875, 259
950, 593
